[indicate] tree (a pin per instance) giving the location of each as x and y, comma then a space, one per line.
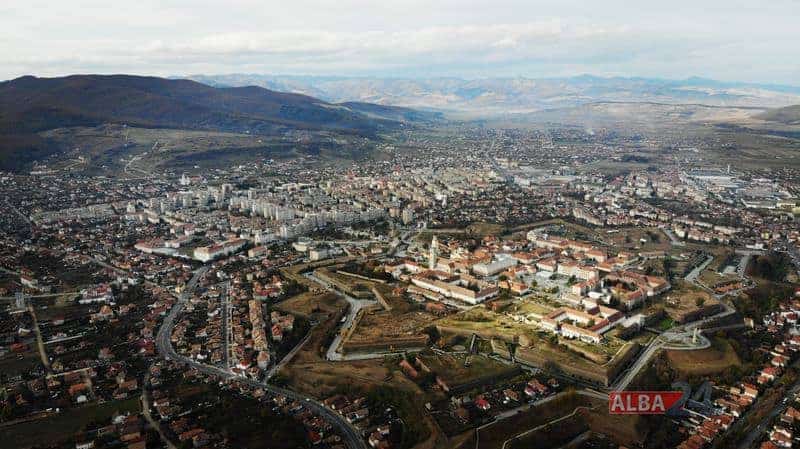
433, 333
668, 264
699, 301
572, 280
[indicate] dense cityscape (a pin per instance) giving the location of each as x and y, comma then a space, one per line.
451, 296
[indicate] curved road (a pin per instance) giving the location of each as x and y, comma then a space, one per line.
355, 305
349, 433
676, 338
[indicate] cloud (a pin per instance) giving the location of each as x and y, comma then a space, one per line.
418, 41
402, 38
318, 49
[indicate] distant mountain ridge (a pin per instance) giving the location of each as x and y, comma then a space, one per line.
30, 105
503, 95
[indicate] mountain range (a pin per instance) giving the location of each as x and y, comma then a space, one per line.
30, 105
517, 95
40, 117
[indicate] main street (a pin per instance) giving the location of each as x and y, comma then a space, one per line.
349, 433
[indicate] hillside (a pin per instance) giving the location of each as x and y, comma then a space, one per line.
789, 115
394, 113
30, 105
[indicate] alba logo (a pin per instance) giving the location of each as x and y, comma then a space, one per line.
642, 402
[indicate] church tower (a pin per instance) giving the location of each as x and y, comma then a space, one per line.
434, 254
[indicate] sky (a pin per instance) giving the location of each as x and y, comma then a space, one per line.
729, 40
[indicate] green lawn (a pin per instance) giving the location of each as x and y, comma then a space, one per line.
666, 324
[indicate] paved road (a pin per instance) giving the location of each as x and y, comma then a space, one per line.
525, 407
355, 306
692, 276
226, 325
758, 431
349, 433
679, 338
507, 177
19, 213
288, 357
39, 339
146, 412
542, 426
43, 295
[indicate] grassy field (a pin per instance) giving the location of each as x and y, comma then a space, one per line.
640, 240
494, 435
705, 361
452, 370
685, 298
60, 427
483, 229
552, 436
533, 305
488, 324
625, 430
385, 326
485, 323
310, 303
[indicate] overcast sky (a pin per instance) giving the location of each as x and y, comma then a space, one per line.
754, 40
